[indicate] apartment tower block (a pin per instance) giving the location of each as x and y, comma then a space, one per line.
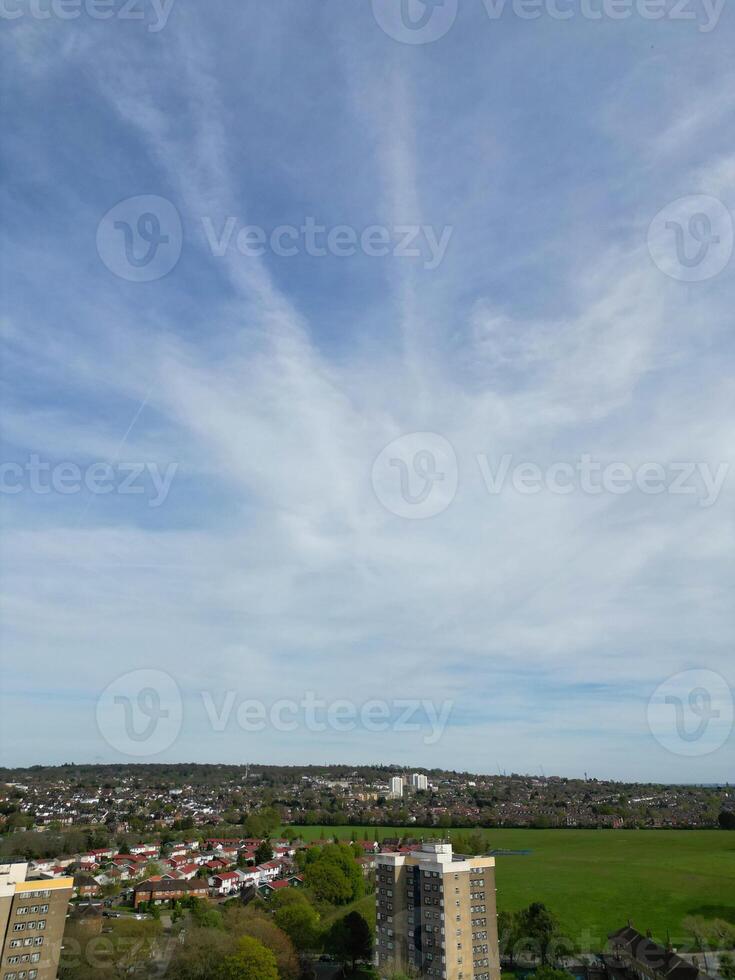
32, 920
436, 914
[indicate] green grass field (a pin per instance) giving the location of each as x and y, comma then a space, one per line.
596, 880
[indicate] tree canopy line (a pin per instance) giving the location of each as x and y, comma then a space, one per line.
57, 842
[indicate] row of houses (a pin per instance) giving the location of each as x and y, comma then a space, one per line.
214, 867
264, 879
186, 857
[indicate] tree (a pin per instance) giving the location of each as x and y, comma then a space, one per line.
334, 874
201, 956
252, 961
328, 882
343, 856
262, 822
727, 966
300, 922
287, 896
723, 934
539, 925
350, 939
204, 915
263, 852
509, 933
241, 921
726, 820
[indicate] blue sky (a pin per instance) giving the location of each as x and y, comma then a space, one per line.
279, 559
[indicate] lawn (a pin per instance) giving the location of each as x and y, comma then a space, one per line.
596, 880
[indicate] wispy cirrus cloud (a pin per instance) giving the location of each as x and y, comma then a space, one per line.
546, 332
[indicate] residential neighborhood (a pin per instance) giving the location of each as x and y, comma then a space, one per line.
128, 800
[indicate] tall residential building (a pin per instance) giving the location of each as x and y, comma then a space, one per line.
436, 915
32, 920
396, 787
419, 781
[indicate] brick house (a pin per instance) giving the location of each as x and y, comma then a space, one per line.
168, 890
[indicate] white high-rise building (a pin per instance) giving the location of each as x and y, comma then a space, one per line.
396, 787
419, 781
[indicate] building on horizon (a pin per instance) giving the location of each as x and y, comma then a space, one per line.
436, 914
396, 787
32, 920
419, 782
